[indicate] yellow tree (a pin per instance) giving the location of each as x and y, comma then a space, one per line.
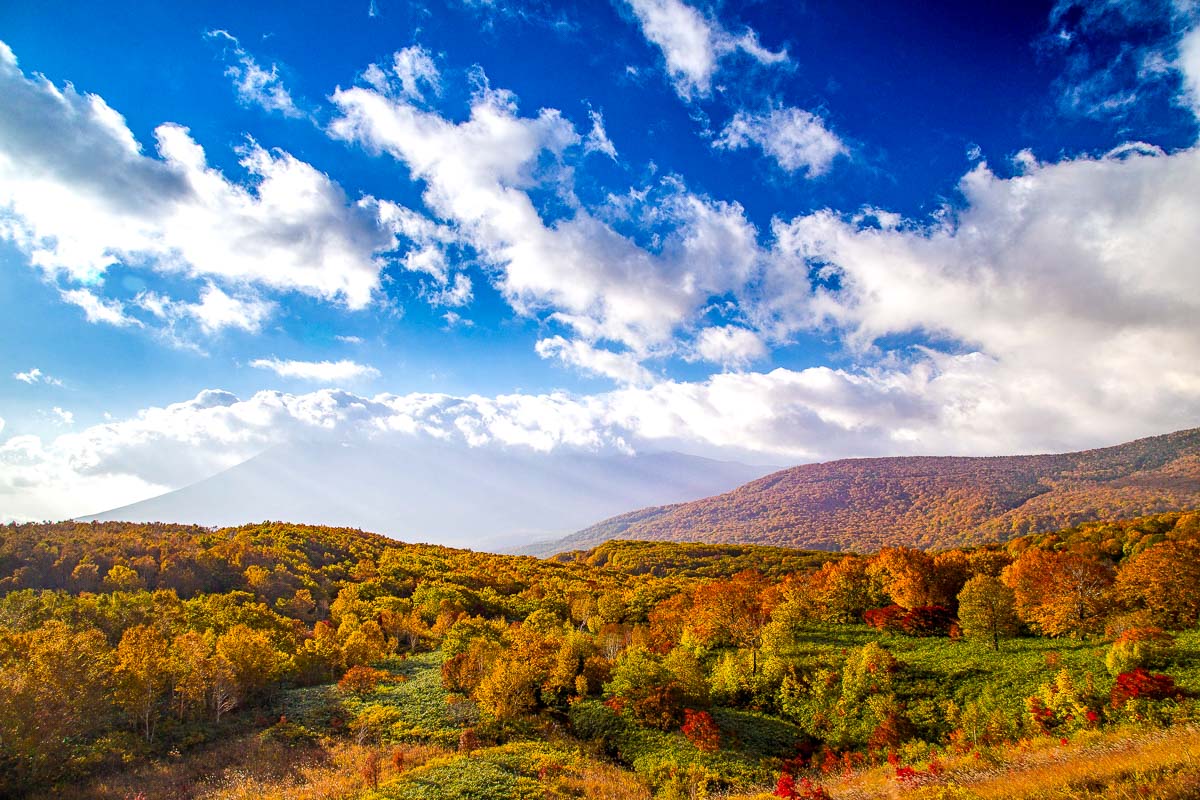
54, 685
250, 659
143, 675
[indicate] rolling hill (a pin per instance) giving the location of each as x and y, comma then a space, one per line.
428, 491
929, 502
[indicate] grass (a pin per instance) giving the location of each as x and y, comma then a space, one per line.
1124, 765
519, 771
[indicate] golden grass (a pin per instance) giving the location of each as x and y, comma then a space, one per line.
1156, 765
251, 769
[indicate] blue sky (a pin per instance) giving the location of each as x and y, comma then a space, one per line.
772, 231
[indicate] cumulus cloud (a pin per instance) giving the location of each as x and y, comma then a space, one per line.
416, 72
479, 175
933, 404
457, 293
797, 140
77, 195
324, 371
729, 345
1072, 282
215, 311
35, 375
693, 44
256, 85
621, 367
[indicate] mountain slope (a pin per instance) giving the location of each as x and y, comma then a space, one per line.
484, 497
931, 502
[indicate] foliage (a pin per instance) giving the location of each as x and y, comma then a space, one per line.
566, 678
927, 502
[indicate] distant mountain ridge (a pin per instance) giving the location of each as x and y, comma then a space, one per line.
929, 502
428, 491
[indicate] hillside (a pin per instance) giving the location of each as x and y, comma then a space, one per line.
929, 502
428, 491
289, 662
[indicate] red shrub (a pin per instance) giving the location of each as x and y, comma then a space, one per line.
886, 618
920, 621
701, 730
804, 789
1142, 685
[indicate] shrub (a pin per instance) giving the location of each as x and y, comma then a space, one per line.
1142, 685
701, 730
1138, 647
360, 680
804, 789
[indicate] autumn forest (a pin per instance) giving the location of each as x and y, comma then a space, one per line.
275, 660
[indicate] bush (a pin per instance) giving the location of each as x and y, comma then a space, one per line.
360, 680
701, 730
1138, 647
1142, 685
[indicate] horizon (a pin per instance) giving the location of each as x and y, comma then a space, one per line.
740, 231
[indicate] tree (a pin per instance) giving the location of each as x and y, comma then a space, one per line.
53, 691
250, 659
907, 575
1060, 593
732, 612
1163, 580
143, 675
987, 609
192, 668
507, 690
122, 579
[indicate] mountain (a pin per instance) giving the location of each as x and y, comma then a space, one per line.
929, 502
427, 491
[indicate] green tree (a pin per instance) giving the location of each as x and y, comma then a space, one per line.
987, 609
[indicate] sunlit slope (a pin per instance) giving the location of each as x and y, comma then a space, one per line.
864, 504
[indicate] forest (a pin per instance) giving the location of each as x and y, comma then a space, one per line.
143, 661
928, 502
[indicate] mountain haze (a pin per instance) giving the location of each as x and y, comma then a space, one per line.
930, 502
427, 491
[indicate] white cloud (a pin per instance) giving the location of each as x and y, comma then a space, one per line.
597, 140
63, 417
621, 367
693, 44
935, 404
96, 309
478, 174
1073, 283
796, 139
325, 371
349, 339
729, 345
77, 194
457, 293
35, 375
215, 312
254, 84
1188, 65
414, 69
